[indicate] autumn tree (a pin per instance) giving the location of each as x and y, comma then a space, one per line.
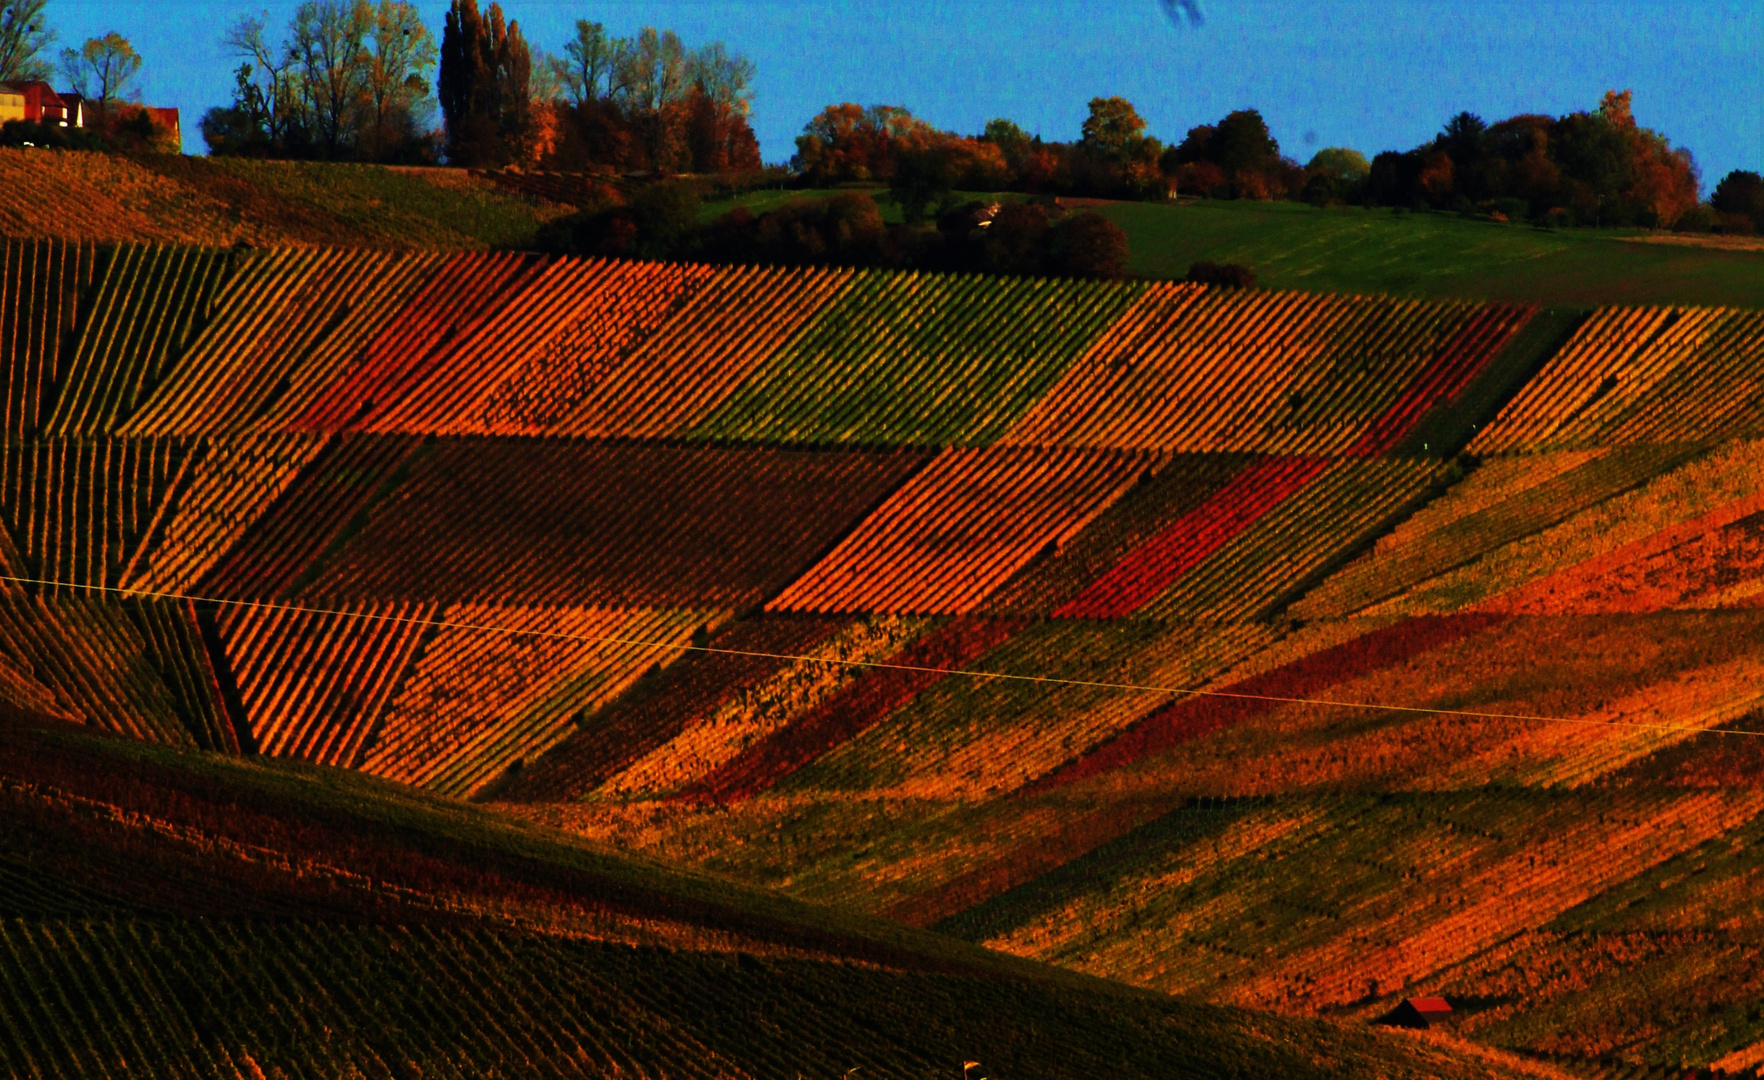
1596, 167
590, 66
1114, 131
395, 83
328, 45
655, 79
349, 80
102, 69
24, 35
267, 114
718, 137
1012, 141
851, 142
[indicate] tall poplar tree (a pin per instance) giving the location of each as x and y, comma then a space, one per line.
484, 86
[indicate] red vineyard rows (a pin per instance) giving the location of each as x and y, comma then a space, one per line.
1167, 493
456, 301
1248, 575
1445, 378
194, 342
282, 330
1194, 717
527, 365
1185, 542
666, 384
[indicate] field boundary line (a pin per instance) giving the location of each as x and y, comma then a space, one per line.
1470, 714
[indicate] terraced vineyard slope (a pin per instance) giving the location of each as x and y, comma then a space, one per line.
1294, 651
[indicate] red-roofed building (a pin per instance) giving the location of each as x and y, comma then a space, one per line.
1418, 1012
167, 120
38, 102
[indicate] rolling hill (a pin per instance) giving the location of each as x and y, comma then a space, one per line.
1285, 650
194, 915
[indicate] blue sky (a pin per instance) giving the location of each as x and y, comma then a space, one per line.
1370, 74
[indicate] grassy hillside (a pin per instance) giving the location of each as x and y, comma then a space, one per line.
1350, 249
716, 564
1343, 249
197, 916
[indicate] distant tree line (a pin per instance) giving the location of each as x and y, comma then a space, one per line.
366, 80
351, 80
348, 80
1585, 168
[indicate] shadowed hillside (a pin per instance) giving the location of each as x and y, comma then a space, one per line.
203, 917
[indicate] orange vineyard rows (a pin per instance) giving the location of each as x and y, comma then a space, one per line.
960, 527
1639, 375
149, 302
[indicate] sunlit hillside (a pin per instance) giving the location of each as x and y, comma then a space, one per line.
1300, 651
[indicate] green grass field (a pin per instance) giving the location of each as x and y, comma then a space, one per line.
1350, 249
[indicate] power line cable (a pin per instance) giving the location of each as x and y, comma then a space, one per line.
883, 665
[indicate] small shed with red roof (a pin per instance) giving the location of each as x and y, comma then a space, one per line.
1418, 1012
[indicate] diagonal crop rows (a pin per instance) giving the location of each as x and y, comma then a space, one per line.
1190, 369
961, 527
919, 359
283, 328
1632, 375
495, 685
1256, 570
40, 286
569, 523
314, 684
285, 546
1164, 557
670, 382
577, 341
79, 510
218, 498
148, 303
457, 301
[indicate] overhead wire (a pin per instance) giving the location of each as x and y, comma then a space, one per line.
882, 665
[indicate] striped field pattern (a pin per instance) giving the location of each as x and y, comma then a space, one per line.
1014, 607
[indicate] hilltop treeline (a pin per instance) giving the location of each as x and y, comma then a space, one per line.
663, 221
1589, 168
366, 80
